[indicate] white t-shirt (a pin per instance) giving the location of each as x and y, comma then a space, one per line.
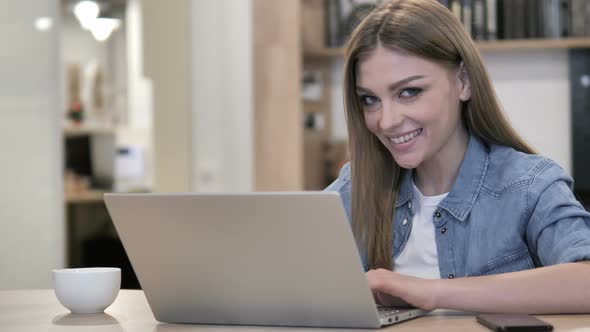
419, 257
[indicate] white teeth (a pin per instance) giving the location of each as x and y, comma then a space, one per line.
406, 138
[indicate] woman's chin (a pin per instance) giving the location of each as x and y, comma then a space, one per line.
405, 163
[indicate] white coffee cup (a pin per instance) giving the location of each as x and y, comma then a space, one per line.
87, 290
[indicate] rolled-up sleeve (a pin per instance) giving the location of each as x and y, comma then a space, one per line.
558, 230
342, 186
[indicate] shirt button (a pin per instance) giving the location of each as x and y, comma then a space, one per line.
410, 205
451, 276
443, 231
437, 214
405, 221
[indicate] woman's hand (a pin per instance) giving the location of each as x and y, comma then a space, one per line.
387, 285
561, 288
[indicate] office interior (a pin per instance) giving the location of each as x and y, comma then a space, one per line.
211, 96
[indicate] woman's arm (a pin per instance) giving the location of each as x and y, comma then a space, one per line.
562, 288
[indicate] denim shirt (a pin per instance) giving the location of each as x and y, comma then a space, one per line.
507, 211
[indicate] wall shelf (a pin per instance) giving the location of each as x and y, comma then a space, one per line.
533, 44
83, 130
485, 46
86, 196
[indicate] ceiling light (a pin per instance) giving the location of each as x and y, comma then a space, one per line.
43, 23
102, 27
86, 12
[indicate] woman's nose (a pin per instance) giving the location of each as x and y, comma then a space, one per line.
390, 118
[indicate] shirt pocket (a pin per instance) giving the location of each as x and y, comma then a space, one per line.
517, 261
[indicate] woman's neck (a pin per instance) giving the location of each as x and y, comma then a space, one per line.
437, 175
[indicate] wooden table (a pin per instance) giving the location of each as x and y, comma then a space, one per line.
39, 310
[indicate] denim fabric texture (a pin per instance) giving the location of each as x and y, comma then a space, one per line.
507, 211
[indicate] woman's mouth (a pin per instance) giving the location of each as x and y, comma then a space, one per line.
406, 138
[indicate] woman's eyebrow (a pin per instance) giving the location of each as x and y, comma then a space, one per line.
395, 85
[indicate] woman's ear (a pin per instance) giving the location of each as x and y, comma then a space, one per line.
465, 84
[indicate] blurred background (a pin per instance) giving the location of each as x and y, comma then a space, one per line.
224, 96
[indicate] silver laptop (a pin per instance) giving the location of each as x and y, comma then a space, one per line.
285, 259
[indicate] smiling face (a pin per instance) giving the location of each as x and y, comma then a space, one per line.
412, 105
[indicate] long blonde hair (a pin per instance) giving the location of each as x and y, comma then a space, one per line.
426, 29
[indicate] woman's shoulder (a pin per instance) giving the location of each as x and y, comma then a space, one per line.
509, 168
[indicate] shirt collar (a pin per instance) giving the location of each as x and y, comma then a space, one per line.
467, 185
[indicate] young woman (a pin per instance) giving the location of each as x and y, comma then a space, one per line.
449, 206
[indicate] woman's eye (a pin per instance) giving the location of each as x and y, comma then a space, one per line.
369, 100
410, 92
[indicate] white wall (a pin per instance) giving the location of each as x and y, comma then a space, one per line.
202, 124
140, 98
78, 45
533, 88
165, 31
138, 129
116, 64
31, 188
221, 91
